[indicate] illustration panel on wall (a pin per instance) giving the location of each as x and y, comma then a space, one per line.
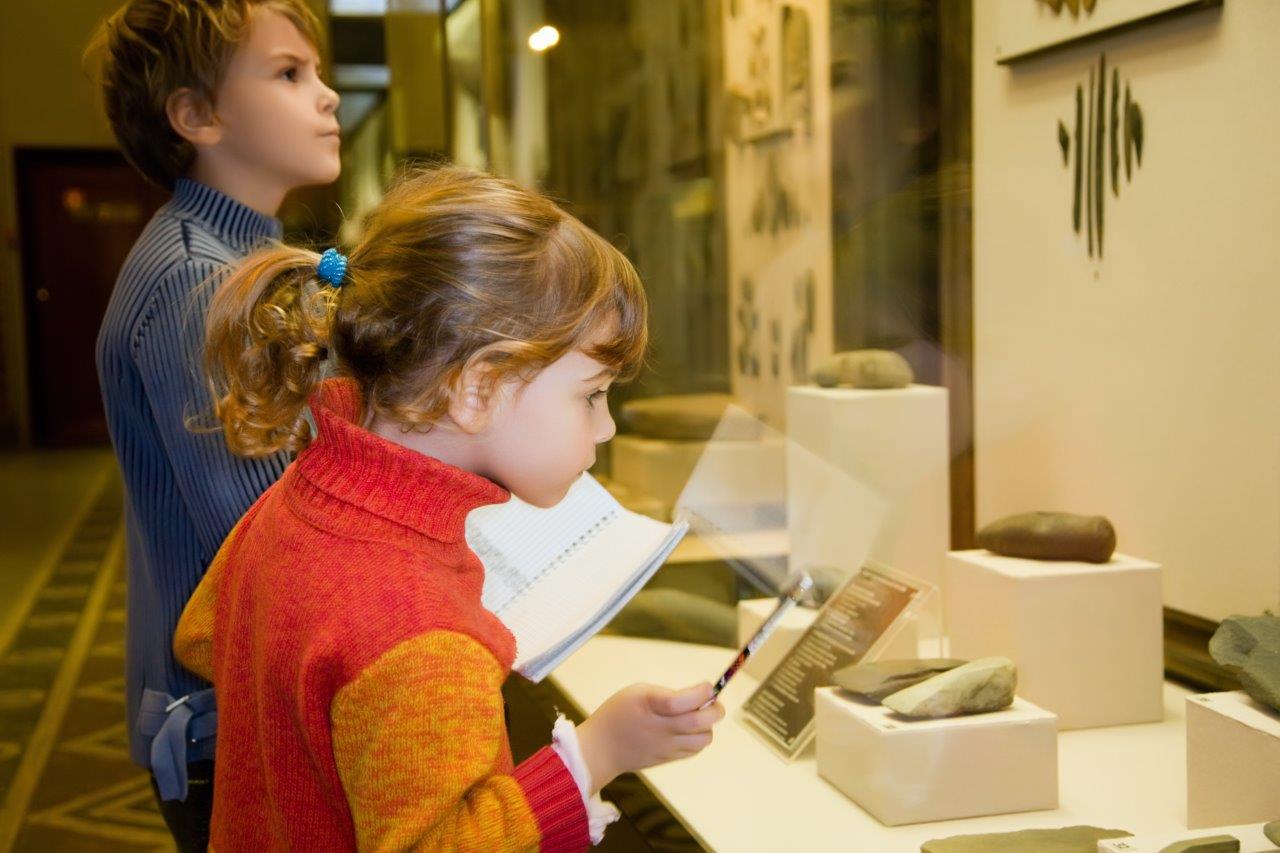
777, 196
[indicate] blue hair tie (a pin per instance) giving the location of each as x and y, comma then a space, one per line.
332, 267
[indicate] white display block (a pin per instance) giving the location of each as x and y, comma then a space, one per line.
654, 468
915, 771
1087, 638
753, 611
891, 442
1233, 760
660, 469
1250, 837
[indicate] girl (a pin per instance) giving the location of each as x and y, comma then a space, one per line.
475, 332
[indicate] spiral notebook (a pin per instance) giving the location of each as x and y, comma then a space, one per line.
556, 576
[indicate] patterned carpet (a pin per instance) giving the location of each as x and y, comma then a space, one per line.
66, 781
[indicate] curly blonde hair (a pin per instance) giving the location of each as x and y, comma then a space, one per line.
456, 268
149, 49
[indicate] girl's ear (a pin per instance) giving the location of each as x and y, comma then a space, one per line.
473, 399
192, 118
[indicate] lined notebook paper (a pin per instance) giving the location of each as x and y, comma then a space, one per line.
556, 576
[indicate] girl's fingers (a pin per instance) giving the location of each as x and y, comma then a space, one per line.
691, 744
697, 721
670, 703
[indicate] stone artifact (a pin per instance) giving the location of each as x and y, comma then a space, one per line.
1249, 646
879, 679
1069, 839
1260, 677
984, 685
675, 417
1208, 844
1238, 636
864, 368
1272, 832
1051, 536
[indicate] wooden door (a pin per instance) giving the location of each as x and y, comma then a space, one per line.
79, 212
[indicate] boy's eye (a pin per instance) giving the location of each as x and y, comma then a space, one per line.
594, 396
290, 73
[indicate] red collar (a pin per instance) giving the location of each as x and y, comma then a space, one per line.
350, 465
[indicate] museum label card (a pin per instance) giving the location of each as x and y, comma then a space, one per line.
854, 619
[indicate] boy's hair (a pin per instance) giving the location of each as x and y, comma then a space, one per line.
149, 49
455, 268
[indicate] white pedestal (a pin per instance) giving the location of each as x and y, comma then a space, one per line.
916, 771
654, 468
1233, 760
1250, 837
753, 611
893, 443
749, 469
1087, 639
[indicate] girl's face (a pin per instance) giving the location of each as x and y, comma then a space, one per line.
543, 434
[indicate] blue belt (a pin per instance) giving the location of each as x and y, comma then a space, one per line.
172, 724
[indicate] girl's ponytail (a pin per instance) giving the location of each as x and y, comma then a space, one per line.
266, 337
454, 268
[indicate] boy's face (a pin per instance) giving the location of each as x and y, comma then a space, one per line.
275, 112
544, 433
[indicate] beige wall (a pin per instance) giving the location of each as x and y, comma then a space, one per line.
45, 100
1143, 386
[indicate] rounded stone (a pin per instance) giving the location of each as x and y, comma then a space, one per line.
864, 368
1051, 536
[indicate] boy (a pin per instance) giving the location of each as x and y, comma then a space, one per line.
222, 102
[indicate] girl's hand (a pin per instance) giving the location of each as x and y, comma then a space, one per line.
643, 725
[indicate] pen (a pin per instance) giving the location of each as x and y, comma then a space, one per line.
786, 601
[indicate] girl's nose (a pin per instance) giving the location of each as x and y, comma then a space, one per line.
608, 428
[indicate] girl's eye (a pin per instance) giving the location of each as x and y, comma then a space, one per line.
594, 396
290, 73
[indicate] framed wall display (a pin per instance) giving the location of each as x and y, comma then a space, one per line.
1027, 28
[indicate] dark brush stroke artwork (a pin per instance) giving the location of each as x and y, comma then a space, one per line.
1073, 6
1075, 208
775, 207
748, 325
1100, 133
775, 348
1132, 133
803, 293
1115, 132
1088, 168
1128, 136
1098, 146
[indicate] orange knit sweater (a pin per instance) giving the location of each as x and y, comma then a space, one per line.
357, 675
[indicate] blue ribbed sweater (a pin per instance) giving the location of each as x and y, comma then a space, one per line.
184, 491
